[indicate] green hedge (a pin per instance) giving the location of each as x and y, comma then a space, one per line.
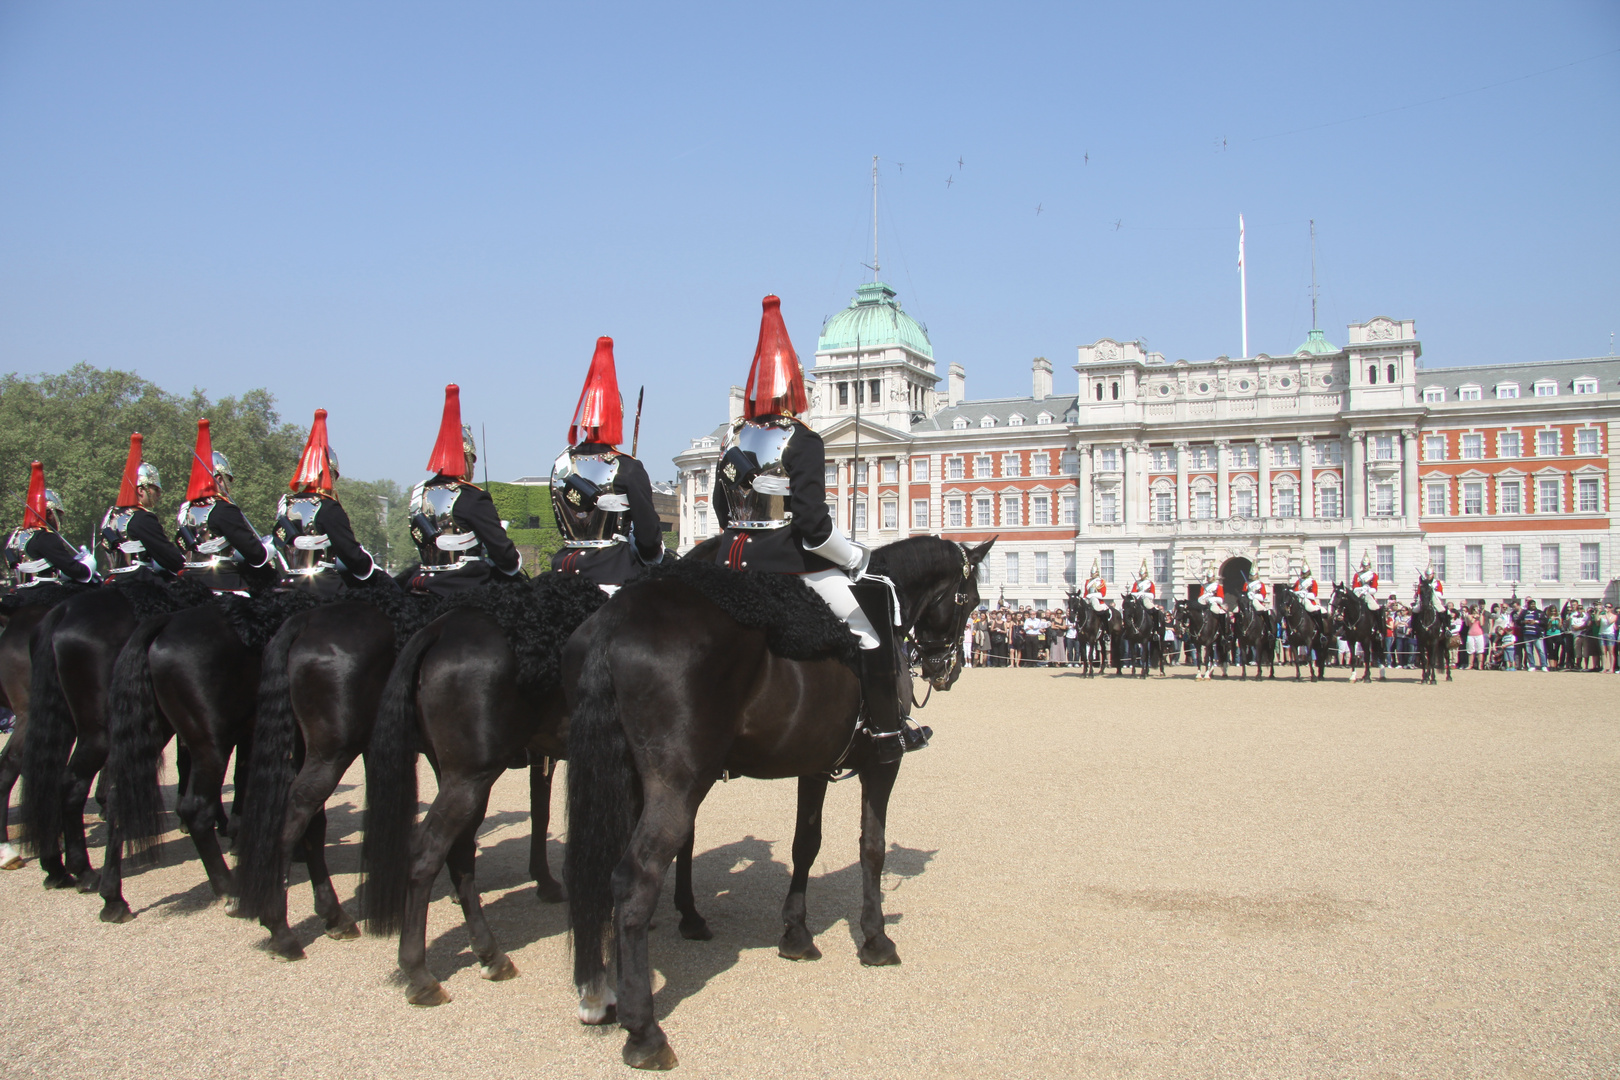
518, 503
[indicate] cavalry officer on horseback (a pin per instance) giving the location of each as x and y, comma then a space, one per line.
1144, 588
770, 497
223, 550
1095, 589
1432, 579
1304, 587
1212, 593
36, 552
1365, 583
132, 543
455, 525
602, 497
1258, 592
313, 536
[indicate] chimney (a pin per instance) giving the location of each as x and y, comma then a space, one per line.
1043, 378
957, 384
736, 404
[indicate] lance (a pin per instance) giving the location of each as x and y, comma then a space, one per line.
635, 439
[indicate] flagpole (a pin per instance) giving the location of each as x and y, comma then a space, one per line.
1243, 287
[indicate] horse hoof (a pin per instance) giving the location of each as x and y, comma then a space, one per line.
88, 882
695, 929
116, 911
233, 907
58, 881
550, 892
429, 996
289, 951
598, 1015
344, 931
499, 971
659, 1057
879, 954
794, 951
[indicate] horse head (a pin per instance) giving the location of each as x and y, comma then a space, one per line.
939, 588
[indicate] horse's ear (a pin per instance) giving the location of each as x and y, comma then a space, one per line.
976, 555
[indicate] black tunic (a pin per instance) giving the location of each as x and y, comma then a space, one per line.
332, 521
50, 546
226, 519
782, 550
145, 527
475, 512
618, 564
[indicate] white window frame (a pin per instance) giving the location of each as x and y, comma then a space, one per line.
1435, 501
1069, 509
1586, 385
1592, 435
1434, 448
1509, 438
1545, 388
956, 513
1475, 488
1468, 392
1012, 510
1323, 491
1591, 568
919, 470
891, 515
1551, 568
1557, 485
1012, 465
1552, 435
1040, 463
919, 513
1506, 391
889, 471
1434, 395
1040, 509
983, 466
1466, 442
1474, 564
956, 468
1512, 567
1585, 485
1514, 486
984, 512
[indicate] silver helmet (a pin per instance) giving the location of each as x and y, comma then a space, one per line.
469, 445
222, 466
147, 475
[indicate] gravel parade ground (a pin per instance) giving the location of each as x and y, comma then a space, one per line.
1100, 877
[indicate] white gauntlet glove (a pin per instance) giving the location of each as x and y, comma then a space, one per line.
843, 552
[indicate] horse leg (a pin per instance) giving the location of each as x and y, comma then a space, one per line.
461, 861
10, 769
877, 782
693, 925
339, 927
797, 942
198, 809
306, 799
456, 810
114, 908
75, 845
548, 890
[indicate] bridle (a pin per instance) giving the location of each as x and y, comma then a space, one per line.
943, 653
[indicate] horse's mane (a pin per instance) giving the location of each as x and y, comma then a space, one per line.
917, 556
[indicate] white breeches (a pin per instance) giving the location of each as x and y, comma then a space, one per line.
1146, 599
1370, 596
1310, 603
1213, 602
833, 587
1095, 601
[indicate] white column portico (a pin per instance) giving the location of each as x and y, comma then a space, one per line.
1085, 486
1262, 446
1181, 480
1307, 481
1127, 489
1223, 480
1355, 481
1409, 476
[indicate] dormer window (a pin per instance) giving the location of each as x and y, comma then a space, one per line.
1505, 390
960, 423
1044, 418
988, 421
1546, 388
1586, 386
1468, 392
1015, 420
1433, 395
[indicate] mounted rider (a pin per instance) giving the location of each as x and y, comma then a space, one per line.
602, 498
1212, 592
1095, 589
458, 532
313, 537
1258, 593
1365, 583
1431, 578
1144, 588
222, 549
131, 544
1304, 587
770, 498
35, 550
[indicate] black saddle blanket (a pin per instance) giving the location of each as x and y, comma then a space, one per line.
798, 624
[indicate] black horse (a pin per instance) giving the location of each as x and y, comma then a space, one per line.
1210, 632
1359, 625
1143, 630
1306, 632
1255, 629
471, 697
1431, 625
666, 694
1092, 630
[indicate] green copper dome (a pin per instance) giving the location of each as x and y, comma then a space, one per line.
1317, 344
874, 318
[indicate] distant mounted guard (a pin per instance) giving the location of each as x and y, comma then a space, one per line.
223, 551
313, 537
132, 544
35, 552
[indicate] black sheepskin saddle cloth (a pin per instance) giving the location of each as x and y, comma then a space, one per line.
537, 617
45, 594
798, 624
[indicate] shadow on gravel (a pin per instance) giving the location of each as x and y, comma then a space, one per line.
739, 889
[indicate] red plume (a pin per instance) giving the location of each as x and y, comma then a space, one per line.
132, 465
202, 475
314, 467
776, 381
449, 455
599, 416
34, 510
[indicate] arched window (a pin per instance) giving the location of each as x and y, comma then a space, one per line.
1116, 391
1389, 373
1372, 373
1099, 391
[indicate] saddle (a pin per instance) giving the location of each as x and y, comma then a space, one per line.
798, 624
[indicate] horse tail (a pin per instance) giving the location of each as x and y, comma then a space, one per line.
135, 750
602, 792
50, 739
270, 775
385, 862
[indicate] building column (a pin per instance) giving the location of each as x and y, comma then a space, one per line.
1355, 480
1084, 495
1181, 481
1223, 479
874, 502
1409, 476
1307, 479
1263, 448
1127, 487
845, 517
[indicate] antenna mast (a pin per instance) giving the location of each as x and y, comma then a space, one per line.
874, 219
1243, 287
1313, 273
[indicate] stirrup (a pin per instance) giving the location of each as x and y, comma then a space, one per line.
914, 736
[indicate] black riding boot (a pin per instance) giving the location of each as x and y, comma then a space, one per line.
886, 685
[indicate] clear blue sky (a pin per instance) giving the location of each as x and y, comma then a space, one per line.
355, 203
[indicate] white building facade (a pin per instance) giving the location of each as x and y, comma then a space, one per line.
1498, 475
